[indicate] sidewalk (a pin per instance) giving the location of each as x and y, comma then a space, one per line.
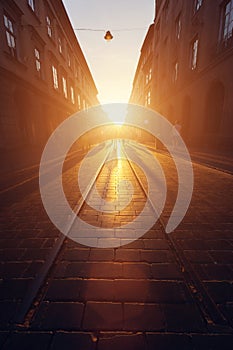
217, 161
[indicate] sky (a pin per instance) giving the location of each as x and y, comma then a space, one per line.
112, 64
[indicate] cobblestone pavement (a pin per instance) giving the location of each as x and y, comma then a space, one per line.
160, 292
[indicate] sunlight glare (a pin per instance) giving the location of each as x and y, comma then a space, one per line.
116, 113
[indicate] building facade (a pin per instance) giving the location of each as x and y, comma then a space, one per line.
44, 74
142, 84
192, 70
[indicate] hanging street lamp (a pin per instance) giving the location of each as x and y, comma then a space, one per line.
108, 36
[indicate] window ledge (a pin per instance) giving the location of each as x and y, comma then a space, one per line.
34, 13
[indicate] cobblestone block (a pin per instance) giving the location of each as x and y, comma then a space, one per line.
168, 341
13, 254
183, 318
99, 290
124, 341
127, 255
101, 254
219, 244
103, 316
151, 291
28, 341
136, 270
213, 342
94, 270
64, 290
221, 292
156, 244
153, 256
228, 312
193, 244
76, 254
14, 288
59, 315
166, 271
222, 257
72, 341
214, 272
8, 310
13, 269
146, 317
198, 256
36, 254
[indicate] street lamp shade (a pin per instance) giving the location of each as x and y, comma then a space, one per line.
108, 36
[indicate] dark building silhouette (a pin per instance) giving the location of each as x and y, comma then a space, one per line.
44, 74
192, 70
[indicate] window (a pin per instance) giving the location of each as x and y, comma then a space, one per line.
150, 74
178, 27
55, 77
60, 44
197, 5
49, 26
31, 3
227, 31
79, 102
194, 52
68, 60
148, 98
72, 94
10, 36
37, 61
64, 85
175, 71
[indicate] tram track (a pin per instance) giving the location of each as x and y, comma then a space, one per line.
197, 290
36, 290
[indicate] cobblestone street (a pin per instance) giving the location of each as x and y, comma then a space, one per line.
161, 291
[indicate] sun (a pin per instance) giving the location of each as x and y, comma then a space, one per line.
116, 112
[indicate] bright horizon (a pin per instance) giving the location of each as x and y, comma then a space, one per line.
112, 64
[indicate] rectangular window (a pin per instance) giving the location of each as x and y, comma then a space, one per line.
150, 74
148, 98
194, 53
49, 26
178, 27
72, 95
64, 85
79, 102
227, 31
60, 44
37, 61
175, 71
197, 5
31, 3
68, 60
55, 77
10, 36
